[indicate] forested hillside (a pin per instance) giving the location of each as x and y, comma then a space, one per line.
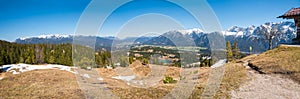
12, 53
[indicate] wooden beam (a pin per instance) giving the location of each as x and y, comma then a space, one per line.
297, 24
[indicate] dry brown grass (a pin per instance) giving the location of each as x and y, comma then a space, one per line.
2, 75
160, 90
157, 92
173, 72
282, 60
40, 84
62, 84
235, 75
124, 91
107, 72
139, 69
202, 82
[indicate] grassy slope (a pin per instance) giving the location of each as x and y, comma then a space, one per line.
282, 60
234, 76
40, 84
61, 84
142, 93
202, 82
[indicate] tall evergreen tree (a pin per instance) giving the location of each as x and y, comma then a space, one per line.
229, 52
235, 50
1, 56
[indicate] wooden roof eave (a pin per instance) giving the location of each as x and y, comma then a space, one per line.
286, 17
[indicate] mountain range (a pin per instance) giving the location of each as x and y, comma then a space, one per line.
253, 36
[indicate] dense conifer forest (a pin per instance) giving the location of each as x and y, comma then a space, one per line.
12, 53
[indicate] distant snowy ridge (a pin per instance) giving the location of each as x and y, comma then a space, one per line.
232, 31
189, 31
254, 30
243, 31
47, 36
247, 36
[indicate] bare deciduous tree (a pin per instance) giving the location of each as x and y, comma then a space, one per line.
269, 33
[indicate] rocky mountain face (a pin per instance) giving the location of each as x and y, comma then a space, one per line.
254, 36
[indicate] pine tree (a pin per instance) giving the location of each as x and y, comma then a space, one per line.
123, 61
1, 56
145, 61
51, 59
229, 52
235, 50
211, 62
27, 56
130, 59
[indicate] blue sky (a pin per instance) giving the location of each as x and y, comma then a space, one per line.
22, 18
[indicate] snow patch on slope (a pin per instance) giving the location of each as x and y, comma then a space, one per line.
20, 68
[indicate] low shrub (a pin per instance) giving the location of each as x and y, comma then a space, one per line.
169, 80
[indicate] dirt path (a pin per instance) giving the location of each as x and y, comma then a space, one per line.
267, 86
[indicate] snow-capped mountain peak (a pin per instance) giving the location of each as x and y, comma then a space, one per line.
53, 36
239, 31
247, 36
189, 31
254, 31
23, 38
235, 29
48, 36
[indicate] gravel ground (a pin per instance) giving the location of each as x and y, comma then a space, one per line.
267, 86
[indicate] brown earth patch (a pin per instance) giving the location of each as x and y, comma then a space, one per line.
40, 84
139, 69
